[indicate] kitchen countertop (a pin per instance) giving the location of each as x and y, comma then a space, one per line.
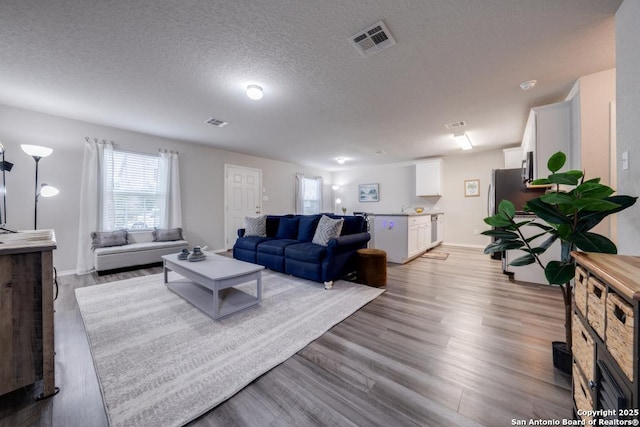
408, 213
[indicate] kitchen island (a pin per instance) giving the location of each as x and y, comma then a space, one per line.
405, 236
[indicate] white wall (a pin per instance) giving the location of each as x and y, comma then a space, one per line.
201, 170
628, 124
462, 215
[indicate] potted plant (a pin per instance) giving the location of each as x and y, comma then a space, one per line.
569, 215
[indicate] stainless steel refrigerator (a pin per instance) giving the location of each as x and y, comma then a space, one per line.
507, 184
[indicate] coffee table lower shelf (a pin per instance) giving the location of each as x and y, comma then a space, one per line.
230, 300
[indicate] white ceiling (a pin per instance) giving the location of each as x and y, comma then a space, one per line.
164, 67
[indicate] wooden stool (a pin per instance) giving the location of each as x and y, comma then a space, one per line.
372, 267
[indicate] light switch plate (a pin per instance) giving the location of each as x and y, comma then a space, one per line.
625, 160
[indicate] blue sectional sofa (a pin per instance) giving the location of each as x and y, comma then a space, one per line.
288, 248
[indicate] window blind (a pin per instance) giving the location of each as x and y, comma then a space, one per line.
131, 181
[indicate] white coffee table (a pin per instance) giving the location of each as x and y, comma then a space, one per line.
210, 284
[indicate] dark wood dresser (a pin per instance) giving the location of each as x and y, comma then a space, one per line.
26, 310
605, 336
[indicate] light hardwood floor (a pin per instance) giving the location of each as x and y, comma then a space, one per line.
449, 343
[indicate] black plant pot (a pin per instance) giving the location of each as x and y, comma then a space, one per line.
562, 359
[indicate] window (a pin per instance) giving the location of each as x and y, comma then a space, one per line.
130, 191
311, 195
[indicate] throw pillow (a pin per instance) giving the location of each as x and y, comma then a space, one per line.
287, 228
255, 226
167, 235
327, 229
104, 239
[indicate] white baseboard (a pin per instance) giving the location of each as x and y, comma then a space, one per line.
464, 245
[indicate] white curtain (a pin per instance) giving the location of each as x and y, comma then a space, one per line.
91, 189
169, 190
299, 196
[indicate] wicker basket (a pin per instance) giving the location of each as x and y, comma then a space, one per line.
596, 297
581, 290
583, 347
582, 394
620, 325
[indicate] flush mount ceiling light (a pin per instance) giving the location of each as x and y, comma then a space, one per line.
341, 160
254, 92
529, 84
463, 140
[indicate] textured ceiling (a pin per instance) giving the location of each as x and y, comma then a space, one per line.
164, 67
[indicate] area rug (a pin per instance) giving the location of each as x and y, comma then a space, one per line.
436, 255
161, 361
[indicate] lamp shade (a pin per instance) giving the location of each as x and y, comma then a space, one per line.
48, 190
36, 150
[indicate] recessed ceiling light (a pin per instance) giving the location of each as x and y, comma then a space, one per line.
529, 84
341, 160
254, 92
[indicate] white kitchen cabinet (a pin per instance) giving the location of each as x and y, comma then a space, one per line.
403, 237
513, 157
429, 177
548, 131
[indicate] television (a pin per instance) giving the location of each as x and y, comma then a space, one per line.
527, 167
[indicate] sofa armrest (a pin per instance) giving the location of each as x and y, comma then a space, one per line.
348, 242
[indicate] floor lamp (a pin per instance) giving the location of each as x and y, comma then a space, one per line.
38, 152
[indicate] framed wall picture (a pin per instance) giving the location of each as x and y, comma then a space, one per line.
471, 188
369, 192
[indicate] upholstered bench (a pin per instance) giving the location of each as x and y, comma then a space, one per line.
140, 249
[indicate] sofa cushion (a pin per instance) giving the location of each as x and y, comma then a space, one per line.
327, 229
275, 246
353, 225
307, 252
167, 235
250, 243
255, 226
287, 228
139, 247
140, 236
307, 227
105, 239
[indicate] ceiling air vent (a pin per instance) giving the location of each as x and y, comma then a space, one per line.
456, 125
217, 122
372, 39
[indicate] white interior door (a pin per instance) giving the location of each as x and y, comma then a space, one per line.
242, 198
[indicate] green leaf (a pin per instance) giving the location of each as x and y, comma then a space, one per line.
558, 273
500, 234
535, 236
592, 242
541, 181
547, 212
577, 174
507, 209
563, 178
593, 190
555, 198
503, 245
497, 221
595, 205
542, 226
587, 220
556, 161
523, 260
